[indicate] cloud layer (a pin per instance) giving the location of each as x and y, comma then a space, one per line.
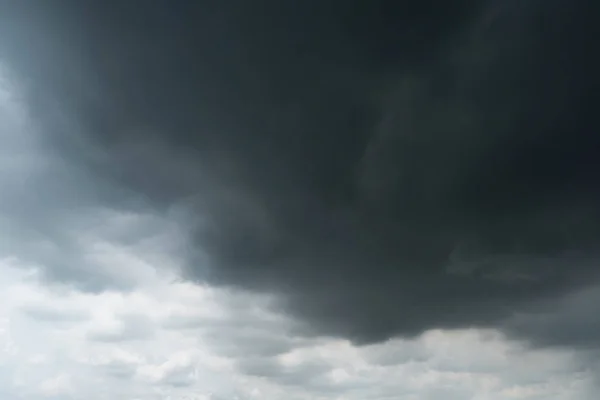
63, 344
382, 171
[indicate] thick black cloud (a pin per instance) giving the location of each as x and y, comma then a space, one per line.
388, 167
572, 321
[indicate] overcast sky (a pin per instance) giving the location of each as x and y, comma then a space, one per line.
299, 200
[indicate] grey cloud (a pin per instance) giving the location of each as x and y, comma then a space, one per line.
118, 370
181, 377
130, 327
248, 342
234, 318
185, 322
242, 325
259, 366
443, 394
381, 174
45, 197
395, 353
239, 333
53, 314
61, 258
305, 375
571, 321
56, 217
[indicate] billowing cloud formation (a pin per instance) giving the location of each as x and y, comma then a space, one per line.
386, 167
219, 354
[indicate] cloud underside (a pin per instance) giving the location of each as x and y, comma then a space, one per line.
232, 345
379, 187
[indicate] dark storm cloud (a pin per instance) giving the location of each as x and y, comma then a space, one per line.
572, 321
388, 167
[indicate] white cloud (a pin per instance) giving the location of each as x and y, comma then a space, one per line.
58, 385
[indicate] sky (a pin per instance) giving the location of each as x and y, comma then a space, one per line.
299, 200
